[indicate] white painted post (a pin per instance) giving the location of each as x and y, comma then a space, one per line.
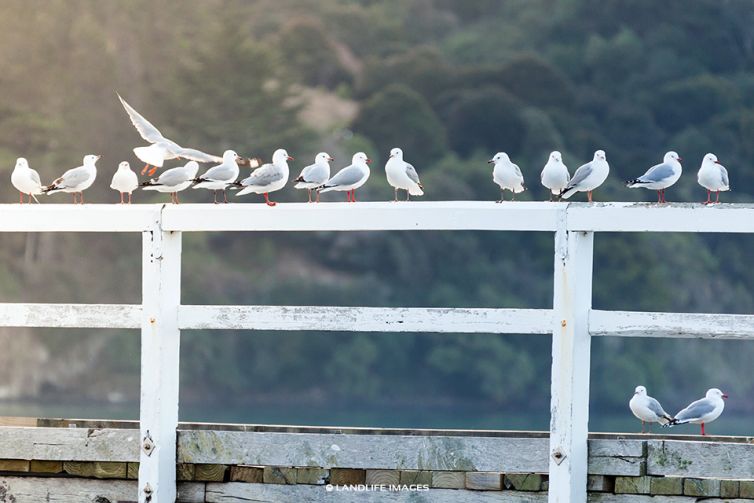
569, 406
160, 349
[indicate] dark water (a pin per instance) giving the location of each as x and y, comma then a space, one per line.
368, 415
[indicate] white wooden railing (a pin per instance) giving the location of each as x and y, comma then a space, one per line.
571, 321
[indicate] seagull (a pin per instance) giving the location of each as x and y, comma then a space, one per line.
220, 176
588, 177
555, 174
713, 176
660, 176
350, 178
26, 181
76, 180
402, 175
702, 411
647, 409
268, 177
314, 175
507, 175
124, 181
161, 149
174, 180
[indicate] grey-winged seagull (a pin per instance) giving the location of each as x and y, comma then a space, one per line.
588, 177
221, 176
350, 178
714, 177
26, 181
660, 176
314, 175
174, 180
647, 409
555, 174
267, 177
77, 180
402, 175
161, 148
702, 411
507, 175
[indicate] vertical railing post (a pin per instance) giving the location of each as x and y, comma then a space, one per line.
160, 349
569, 406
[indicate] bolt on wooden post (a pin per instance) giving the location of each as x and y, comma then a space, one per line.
160, 349
569, 406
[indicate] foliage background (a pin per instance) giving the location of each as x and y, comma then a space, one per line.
450, 82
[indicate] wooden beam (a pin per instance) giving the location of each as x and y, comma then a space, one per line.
651, 217
700, 459
160, 350
671, 325
68, 444
70, 315
367, 319
569, 401
364, 216
387, 452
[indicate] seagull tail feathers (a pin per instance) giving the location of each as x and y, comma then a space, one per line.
636, 182
567, 192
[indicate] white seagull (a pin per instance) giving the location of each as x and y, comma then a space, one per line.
314, 175
174, 180
647, 409
268, 177
588, 177
76, 180
507, 175
713, 176
124, 181
221, 176
402, 175
555, 174
161, 149
660, 176
350, 178
26, 181
702, 411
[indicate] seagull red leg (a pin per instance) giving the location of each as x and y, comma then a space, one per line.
153, 171
703, 429
20, 198
589, 195
717, 197
144, 169
353, 195
267, 200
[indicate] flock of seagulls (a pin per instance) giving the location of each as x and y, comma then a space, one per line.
271, 177
702, 411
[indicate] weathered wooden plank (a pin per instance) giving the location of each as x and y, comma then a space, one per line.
367, 319
485, 481
71, 444
644, 498
77, 218
700, 459
209, 473
387, 477
671, 325
234, 492
391, 452
14, 465
571, 347
96, 469
616, 457
250, 474
70, 315
160, 354
650, 217
364, 216
75, 490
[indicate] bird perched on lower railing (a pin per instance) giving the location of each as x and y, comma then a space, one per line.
174, 180
647, 409
26, 181
75, 181
702, 411
660, 176
713, 176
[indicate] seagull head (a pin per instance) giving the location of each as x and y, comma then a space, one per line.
281, 155
711, 158
323, 158
500, 156
396, 153
555, 156
640, 390
124, 165
600, 154
715, 393
91, 159
672, 156
21, 162
192, 168
230, 156
360, 158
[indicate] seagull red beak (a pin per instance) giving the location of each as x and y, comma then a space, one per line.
725, 395
490, 161
330, 159
680, 158
290, 158
369, 161
717, 162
